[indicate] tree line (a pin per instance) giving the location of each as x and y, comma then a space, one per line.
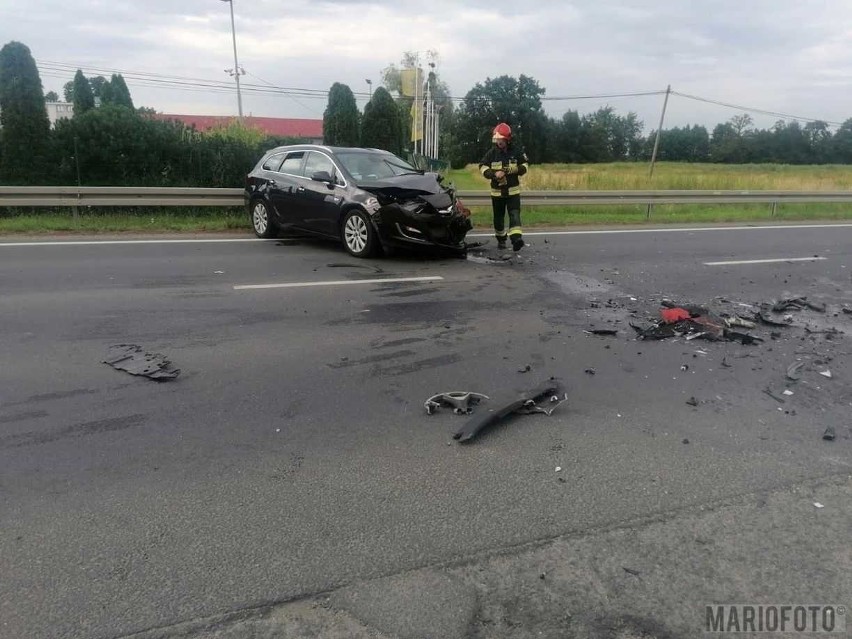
110, 142
601, 136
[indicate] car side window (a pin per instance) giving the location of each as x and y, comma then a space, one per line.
320, 162
293, 163
273, 162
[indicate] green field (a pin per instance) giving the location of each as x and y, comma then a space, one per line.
605, 177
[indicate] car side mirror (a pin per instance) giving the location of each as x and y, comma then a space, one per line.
323, 176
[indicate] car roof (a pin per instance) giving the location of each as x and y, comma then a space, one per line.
331, 149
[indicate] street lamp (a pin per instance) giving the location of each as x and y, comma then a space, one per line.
236, 64
370, 84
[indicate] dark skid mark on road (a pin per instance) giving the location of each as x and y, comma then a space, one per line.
372, 359
411, 293
419, 312
46, 397
345, 265
178, 281
397, 342
420, 365
21, 417
77, 430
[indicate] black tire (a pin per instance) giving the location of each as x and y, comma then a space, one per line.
358, 234
261, 220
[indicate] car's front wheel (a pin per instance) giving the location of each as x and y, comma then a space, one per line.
261, 220
359, 236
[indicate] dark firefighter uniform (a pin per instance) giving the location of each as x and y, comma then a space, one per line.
505, 190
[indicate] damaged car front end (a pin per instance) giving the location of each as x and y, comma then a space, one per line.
417, 211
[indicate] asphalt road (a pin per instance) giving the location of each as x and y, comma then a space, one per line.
293, 456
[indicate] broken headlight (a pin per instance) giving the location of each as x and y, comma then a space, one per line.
372, 205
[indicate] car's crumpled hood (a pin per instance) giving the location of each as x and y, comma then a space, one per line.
404, 185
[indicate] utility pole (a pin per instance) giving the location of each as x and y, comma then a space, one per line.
659, 131
237, 71
370, 84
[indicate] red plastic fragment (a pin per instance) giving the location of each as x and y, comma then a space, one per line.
673, 315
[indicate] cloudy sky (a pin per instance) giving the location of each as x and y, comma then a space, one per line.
787, 57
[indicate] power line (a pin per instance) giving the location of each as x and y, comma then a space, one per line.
199, 85
753, 109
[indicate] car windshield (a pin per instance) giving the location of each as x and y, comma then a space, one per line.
375, 166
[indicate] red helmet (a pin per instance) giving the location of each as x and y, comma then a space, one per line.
502, 132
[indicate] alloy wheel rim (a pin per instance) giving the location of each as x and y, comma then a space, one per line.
260, 218
356, 233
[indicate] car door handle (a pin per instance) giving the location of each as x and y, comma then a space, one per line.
300, 189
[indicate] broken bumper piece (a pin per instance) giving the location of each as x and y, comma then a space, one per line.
461, 402
544, 398
417, 222
132, 359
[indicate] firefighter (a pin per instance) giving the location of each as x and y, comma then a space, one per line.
503, 164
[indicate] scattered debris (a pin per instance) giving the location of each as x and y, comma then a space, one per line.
774, 396
828, 331
829, 434
793, 371
674, 315
744, 338
684, 367
818, 505
787, 391
796, 304
763, 317
630, 571
685, 440
826, 373
559, 469
692, 322
602, 331
525, 403
461, 402
132, 359
692, 401
525, 369
725, 363
739, 321
590, 371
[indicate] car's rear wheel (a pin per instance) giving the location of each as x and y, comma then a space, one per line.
261, 220
359, 236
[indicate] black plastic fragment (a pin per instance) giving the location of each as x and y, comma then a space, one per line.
552, 388
829, 434
132, 359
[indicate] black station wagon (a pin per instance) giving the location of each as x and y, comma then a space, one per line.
367, 198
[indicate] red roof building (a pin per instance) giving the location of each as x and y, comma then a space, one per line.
280, 127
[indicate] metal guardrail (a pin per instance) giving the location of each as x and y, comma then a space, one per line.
53, 196
72, 196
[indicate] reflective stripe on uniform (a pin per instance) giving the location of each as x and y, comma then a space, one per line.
513, 190
500, 234
483, 169
515, 230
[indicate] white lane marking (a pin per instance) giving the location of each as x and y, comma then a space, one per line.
434, 278
675, 230
773, 261
111, 242
533, 233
